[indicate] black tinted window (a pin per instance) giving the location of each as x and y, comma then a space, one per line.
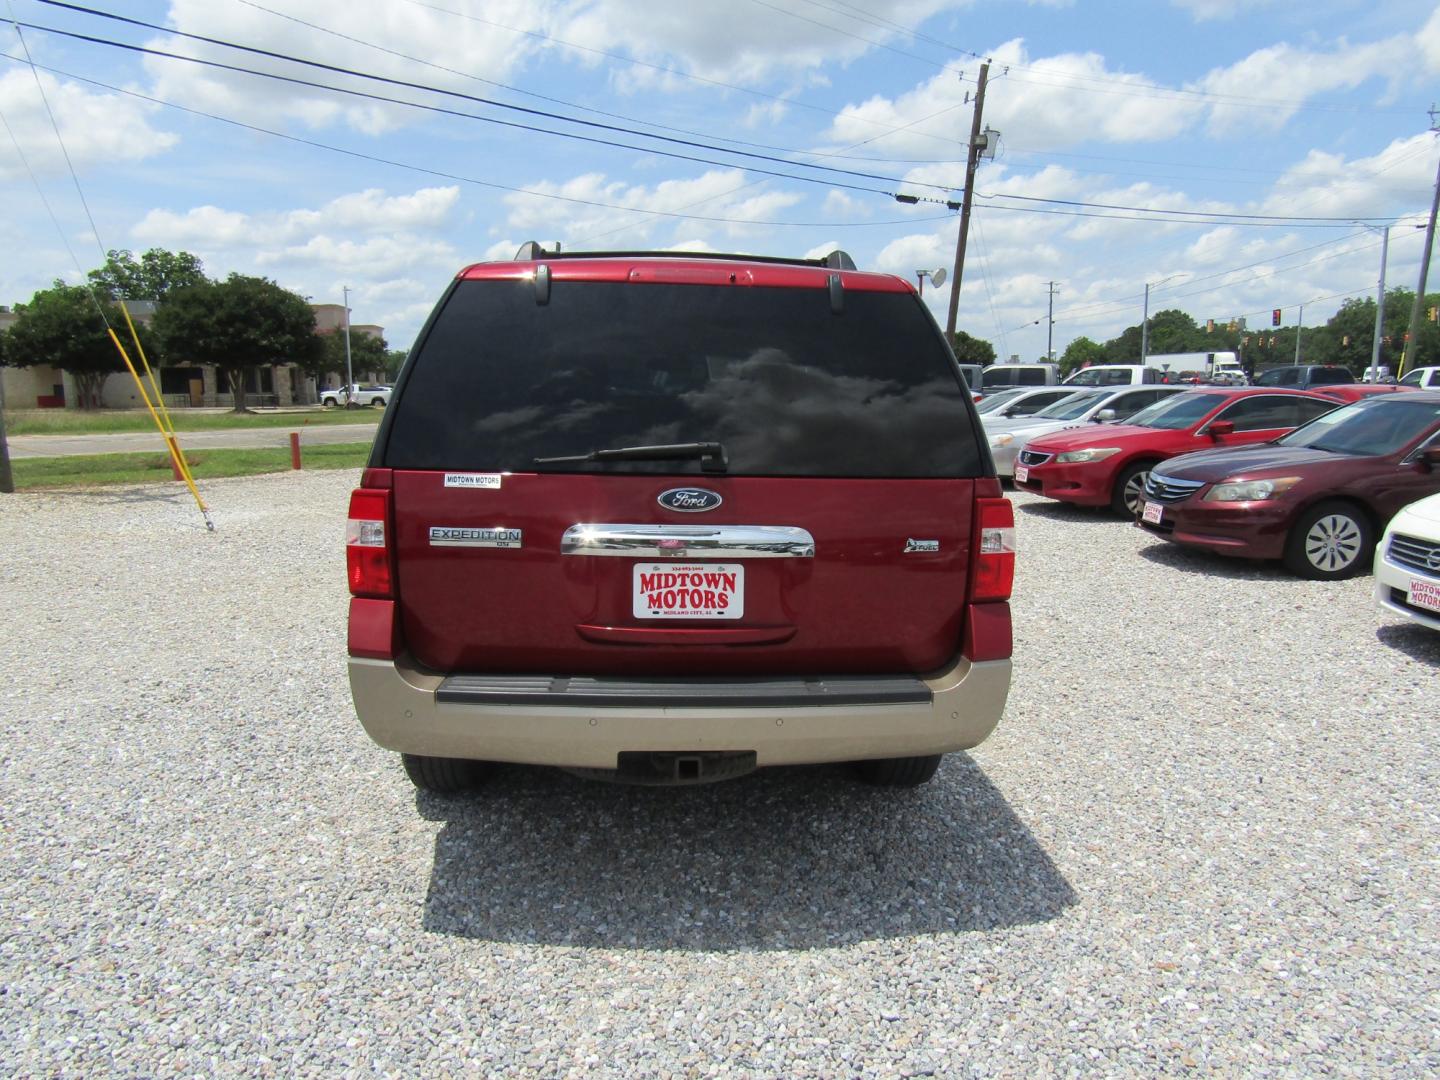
788, 387
1265, 412
1330, 376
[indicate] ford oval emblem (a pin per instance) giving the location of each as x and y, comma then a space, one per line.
689, 500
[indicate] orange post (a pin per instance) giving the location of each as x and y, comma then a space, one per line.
294, 450
175, 472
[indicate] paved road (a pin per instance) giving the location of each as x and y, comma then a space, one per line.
33, 446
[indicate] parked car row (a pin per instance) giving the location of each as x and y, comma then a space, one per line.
1264, 473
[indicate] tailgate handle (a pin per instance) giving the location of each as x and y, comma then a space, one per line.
689, 541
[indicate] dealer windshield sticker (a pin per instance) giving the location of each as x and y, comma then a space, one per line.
688, 591
457, 536
490, 481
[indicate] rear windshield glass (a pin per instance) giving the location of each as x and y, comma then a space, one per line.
787, 387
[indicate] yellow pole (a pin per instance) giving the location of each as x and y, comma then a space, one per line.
149, 374
175, 455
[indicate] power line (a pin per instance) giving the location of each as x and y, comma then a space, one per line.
1093, 311
482, 119
1217, 217
440, 174
521, 90
409, 85
661, 68
1102, 83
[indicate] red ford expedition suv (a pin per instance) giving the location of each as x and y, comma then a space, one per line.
669, 518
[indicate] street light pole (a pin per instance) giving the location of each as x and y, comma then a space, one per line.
1299, 331
1145, 328
1379, 307
349, 374
1050, 329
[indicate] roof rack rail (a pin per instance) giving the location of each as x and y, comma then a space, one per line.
531, 250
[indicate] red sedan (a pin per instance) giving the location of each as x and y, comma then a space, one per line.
1106, 464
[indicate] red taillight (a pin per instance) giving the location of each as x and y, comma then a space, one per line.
367, 544
993, 573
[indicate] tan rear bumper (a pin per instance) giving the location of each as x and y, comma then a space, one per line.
397, 706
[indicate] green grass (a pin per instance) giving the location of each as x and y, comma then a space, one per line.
91, 470
107, 421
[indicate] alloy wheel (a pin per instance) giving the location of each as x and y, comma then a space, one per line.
1333, 543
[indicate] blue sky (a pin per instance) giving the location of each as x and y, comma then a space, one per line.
1187, 112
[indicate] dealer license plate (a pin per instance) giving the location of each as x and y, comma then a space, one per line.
1152, 513
688, 591
1425, 594
1021, 474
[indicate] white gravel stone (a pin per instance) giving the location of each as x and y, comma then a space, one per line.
1205, 838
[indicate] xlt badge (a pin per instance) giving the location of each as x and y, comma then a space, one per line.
458, 536
691, 500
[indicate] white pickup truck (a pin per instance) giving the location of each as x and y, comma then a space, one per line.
371, 394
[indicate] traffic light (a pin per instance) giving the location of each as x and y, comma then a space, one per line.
1433, 312
1345, 340
1210, 324
1275, 317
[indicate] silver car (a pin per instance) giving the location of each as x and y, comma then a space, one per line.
1021, 402
1008, 435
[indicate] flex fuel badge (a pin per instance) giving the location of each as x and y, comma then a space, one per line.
457, 536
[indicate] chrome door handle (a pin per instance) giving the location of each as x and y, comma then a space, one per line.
687, 541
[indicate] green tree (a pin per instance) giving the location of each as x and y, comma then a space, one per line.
1080, 353
1348, 337
394, 361
367, 353
61, 326
238, 324
972, 350
154, 276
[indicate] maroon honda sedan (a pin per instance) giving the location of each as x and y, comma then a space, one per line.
1316, 498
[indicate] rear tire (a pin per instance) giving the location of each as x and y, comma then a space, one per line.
1331, 541
1129, 487
443, 776
898, 772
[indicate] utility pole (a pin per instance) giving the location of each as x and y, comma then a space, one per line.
1145, 327
971, 160
1412, 338
1299, 332
349, 375
1380, 307
1050, 330
7, 478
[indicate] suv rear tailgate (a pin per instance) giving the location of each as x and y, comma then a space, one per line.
884, 590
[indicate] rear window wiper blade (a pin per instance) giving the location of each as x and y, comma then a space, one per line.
711, 454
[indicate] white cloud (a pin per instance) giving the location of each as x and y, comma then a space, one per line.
394, 252
1208, 10
1039, 104
717, 193
420, 42
97, 128
717, 41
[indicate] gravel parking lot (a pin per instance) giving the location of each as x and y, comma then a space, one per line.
1205, 839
